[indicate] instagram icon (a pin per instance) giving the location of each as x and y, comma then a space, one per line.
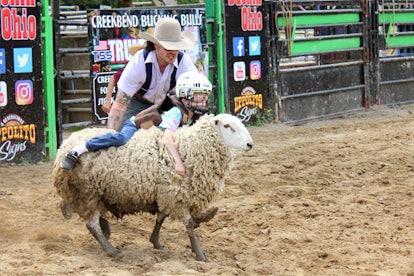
24, 92
255, 70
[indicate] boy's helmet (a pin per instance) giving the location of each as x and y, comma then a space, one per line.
195, 87
189, 83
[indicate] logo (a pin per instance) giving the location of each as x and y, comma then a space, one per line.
23, 60
254, 45
238, 46
15, 136
255, 70
3, 93
239, 70
245, 105
2, 61
24, 92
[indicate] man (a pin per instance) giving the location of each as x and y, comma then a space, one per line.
163, 45
162, 51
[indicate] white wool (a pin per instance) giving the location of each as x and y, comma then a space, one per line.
134, 177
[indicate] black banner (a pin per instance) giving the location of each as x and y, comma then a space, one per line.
22, 137
112, 32
246, 58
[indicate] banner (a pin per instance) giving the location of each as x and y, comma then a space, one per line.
112, 32
22, 137
246, 58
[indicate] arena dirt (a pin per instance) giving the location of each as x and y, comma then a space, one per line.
329, 197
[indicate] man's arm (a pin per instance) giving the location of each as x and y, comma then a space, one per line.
118, 109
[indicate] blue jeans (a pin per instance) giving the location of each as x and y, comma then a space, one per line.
112, 139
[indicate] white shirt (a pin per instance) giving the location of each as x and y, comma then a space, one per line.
134, 75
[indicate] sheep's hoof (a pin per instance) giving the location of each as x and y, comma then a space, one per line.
200, 256
113, 252
205, 216
66, 210
156, 244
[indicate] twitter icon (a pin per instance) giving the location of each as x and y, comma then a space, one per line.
254, 45
22, 59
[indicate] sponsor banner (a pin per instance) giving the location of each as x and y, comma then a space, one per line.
22, 115
112, 32
247, 85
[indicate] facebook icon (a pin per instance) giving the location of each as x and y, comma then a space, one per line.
2, 61
238, 46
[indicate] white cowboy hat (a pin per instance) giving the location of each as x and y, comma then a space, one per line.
167, 33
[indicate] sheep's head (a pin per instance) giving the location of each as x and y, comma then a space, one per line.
232, 131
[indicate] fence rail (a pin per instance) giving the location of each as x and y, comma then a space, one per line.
347, 54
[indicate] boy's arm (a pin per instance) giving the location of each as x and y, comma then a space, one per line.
179, 166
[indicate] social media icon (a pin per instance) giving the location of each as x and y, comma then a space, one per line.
238, 46
239, 71
254, 45
3, 93
255, 70
22, 58
2, 61
24, 92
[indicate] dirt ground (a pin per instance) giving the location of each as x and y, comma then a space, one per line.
329, 197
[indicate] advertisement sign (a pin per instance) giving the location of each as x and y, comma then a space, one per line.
112, 32
246, 62
22, 115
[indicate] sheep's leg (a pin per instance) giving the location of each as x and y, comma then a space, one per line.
195, 246
106, 229
156, 231
93, 225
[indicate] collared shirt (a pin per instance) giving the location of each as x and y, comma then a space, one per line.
134, 75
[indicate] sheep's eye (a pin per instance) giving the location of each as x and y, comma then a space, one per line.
228, 126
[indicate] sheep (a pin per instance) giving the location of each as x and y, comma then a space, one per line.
139, 176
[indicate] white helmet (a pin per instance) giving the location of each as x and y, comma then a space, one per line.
189, 83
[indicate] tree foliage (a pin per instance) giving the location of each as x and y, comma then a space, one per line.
89, 4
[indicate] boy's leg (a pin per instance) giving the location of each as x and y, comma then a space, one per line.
112, 139
101, 142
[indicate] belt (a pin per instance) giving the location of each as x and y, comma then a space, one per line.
138, 97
